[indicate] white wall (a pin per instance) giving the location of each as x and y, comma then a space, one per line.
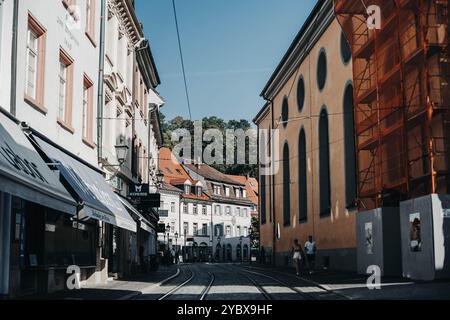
6, 17
232, 220
54, 16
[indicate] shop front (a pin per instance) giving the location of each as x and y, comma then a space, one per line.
101, 213
36, 213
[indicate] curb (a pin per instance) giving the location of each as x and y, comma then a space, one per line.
148, 289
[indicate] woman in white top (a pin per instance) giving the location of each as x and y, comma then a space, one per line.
297, 256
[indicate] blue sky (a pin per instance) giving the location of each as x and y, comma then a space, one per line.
230, 47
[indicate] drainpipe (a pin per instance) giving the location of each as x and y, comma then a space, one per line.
274, 220
100, 98
15, 28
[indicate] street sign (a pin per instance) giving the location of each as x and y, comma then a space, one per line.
140, 196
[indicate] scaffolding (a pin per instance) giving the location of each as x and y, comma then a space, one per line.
402, 98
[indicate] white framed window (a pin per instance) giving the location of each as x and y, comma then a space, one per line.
245, 212
217, 210
228, 211
245, 231
185, 228
228, 231
244, 193
172, 227
62, 90
204, 210
199, 191
238, 192
238, 212
172, 207
195, 230
195, 208
216, 189
32, 64
227, 191
238, 231
187, 189
185, 208
205, 229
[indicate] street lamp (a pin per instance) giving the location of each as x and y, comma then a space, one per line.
168, 234
250, 234
176, 247
160, 177
122, 152
242, 256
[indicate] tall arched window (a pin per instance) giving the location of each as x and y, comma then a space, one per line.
324, 164
302, 177
263, 199
350, 158
286, 186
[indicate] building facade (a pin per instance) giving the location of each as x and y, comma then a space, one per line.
309, 102
55, 183
231, 212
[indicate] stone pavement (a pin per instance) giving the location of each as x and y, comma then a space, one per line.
123, 289
354, 286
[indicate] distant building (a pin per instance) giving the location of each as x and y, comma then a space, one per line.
231, 212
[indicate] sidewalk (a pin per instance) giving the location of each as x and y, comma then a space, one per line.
123, 289
354, 286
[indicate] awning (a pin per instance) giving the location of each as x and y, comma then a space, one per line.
145, 225
24, 174
100, 201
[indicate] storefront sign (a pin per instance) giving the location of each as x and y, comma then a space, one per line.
140, 195
79, 226
50, 228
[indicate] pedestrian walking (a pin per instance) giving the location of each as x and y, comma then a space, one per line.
297, 256
311, 249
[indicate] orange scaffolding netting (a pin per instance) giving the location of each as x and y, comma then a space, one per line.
402, 98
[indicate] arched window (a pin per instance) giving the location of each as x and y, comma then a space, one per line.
302, 177
263, 199
286, 186
300, 93
349, 138
285, 112
346, 51
324, 164
322, 69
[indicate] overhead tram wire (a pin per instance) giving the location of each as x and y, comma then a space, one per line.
182, 59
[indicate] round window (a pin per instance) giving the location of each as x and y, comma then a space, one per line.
285, 111
346, 51
300, 93
322, 69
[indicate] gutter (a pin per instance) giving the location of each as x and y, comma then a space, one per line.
15, 29
100, 97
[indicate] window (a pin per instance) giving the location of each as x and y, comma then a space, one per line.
286, 186
195, 208
302, 177
227, 191
161, 204
185, 228
349, 136
346, 51
245, 231
88, 111
322, 69
65, 89
238, 192
185, 208
204, 210
262, 192
228, 211
172, 207
217, 210
218, 230
172, 227
195, 229
199, 191
245, 212
228, 231
90, 20
300, 93
216, 190
285, 112
238, 212
187, 189
324, 165
244, 193
35, 64
205, 229
238, 231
